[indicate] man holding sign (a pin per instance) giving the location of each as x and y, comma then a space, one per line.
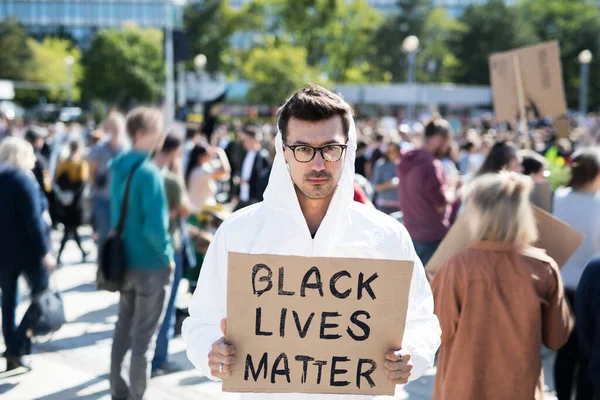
308, 211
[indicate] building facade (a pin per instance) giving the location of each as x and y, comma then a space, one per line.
80, 19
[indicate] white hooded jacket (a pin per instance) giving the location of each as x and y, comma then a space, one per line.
277, 226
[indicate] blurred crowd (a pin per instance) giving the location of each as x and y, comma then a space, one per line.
187, 182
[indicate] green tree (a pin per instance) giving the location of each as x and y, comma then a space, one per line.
125, 65
437, 61
15, 53
576, 25
492, 27
388, 55
210, 25
49, 66
275, 73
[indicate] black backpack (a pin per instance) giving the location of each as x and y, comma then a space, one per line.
111, 261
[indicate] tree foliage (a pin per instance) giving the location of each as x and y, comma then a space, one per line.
437, 61
210, 25
576, 25
275, 73
491, 27
15, 54
124, 66
48, 66
388, 56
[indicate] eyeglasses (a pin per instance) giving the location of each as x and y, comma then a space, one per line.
304, 153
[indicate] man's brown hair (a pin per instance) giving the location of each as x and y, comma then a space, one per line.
314, 103
143, 119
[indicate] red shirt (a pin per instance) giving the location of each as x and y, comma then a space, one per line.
422, 193
359, 194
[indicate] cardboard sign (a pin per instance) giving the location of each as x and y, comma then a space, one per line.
539, 75
541, 196
559, 239
314, 325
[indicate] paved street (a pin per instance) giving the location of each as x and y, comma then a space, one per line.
75, 363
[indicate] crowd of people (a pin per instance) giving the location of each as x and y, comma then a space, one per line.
497, 302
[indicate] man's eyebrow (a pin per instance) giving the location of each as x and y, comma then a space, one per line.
300, 142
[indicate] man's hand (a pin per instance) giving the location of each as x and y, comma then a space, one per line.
222, 356
398, 366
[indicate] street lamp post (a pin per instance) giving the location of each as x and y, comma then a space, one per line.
585, 58
410, 46
200, 64
69, 61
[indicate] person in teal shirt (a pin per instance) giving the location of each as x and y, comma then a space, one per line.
148, 253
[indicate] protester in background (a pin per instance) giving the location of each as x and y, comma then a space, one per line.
385, 179
579, 206
587, 314
256, 166
148, 253
201, 176
35, 136
534, 165
24, 242
449, 160
70, 180
99, 159
500, 298
425, 198
179, 209
361, 159
502, 156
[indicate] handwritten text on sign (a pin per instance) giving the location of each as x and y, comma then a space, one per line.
314, 325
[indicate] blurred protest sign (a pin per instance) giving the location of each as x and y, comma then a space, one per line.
541, 196
314, 325
559, 240
527, 83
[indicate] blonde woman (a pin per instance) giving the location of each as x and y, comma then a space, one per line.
499, 300
24, 242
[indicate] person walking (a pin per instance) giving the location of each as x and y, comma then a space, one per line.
24, 242
148, 253
69, 184
498, 300
579, 206
179, 209
424, 195
99, 159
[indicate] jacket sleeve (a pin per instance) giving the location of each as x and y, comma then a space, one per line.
30, 205
156, 215
208, 306
556, 316
422, 329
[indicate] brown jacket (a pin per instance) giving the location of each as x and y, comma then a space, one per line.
497, 305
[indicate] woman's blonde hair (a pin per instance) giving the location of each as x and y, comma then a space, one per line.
500, 204
18, 153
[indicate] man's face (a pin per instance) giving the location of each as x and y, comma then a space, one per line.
175, 156
392, 152
316, 179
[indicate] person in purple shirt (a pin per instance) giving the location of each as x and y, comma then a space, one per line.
425, 199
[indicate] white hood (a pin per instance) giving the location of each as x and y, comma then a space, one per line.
277, 226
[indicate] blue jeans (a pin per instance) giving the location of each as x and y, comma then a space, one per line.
17, 342
101, 219
425, 250
167, 328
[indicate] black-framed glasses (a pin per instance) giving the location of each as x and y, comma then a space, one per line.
305, 153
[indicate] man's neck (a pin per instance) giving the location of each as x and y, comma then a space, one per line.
314, 210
